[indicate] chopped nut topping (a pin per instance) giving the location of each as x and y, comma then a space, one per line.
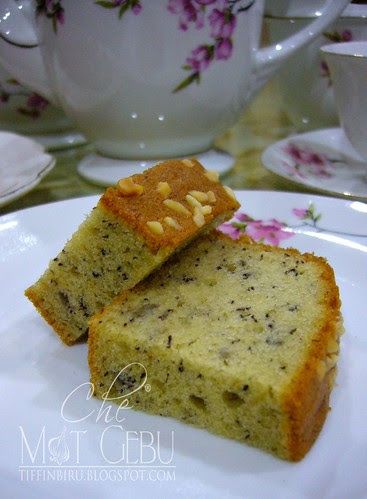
172, 223
188, 162
230, 192
129, 188
176, 206
198, 217
192, 201
206, 210
155, 227
198, 207
164, 189
212, 176
202, 197
211, 197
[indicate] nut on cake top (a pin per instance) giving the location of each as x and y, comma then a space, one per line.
167, 204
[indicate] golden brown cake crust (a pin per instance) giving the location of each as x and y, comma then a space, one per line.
137, 210
307, 402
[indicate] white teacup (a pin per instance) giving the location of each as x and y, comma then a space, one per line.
304, 81
348, 68
148, 78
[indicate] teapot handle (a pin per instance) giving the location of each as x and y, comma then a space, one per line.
19, 47
268, 59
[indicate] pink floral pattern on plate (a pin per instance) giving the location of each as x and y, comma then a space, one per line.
273, 231
308, 215
303, 162
267, 231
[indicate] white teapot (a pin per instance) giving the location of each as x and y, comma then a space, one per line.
146, 78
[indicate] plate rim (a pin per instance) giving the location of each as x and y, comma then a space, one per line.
236, 191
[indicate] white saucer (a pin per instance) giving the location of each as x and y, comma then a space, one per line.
59, 141
23, 163
323, 160
107, 171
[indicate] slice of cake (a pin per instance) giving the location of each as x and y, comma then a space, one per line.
238, 338
134, 228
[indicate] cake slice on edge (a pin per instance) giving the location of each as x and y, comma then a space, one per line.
235, 337
134, 228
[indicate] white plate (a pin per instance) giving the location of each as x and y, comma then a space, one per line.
38, 373
323, 160
23, 163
